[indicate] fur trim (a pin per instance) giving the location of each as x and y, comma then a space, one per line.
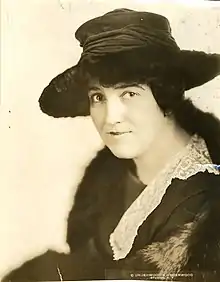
174, 254
171, 255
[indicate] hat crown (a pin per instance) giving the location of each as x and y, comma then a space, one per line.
118, 19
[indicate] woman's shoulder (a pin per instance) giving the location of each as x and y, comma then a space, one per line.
199, 194
201, 182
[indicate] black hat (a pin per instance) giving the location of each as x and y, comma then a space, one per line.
118, 31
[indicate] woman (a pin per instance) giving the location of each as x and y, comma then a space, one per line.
148, 205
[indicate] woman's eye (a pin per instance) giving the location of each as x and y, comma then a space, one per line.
130, 94
96, 98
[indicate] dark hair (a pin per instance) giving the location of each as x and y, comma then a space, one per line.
158, 69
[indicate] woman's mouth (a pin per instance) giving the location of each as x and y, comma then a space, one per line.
118, 133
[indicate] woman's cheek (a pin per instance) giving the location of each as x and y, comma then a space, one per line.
98, 118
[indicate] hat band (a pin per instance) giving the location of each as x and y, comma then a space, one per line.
126, 38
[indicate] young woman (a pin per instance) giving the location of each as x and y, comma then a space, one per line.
149, 203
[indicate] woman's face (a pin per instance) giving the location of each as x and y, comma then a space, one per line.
126, 116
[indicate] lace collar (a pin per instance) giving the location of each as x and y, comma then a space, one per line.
192, 159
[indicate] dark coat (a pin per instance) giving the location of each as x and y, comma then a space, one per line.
181, 236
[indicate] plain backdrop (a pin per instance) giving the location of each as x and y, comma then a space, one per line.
42, 158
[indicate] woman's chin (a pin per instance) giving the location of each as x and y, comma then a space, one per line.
123, 153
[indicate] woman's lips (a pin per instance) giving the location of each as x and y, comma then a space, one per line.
118, 133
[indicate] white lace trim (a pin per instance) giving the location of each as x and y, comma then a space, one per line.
192, 159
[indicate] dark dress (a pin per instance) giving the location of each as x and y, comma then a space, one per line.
186, 217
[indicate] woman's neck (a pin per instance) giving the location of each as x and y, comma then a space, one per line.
164, 147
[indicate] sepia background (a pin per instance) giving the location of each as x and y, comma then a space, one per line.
42, 158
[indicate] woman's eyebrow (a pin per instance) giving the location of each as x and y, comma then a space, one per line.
117, 86
94, 88
124, 85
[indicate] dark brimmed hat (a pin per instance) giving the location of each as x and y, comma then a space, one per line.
117, 31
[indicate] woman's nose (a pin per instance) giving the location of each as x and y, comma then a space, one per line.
115, 111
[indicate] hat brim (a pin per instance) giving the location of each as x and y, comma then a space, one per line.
65, 97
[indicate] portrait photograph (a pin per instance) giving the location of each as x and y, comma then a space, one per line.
110, 143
